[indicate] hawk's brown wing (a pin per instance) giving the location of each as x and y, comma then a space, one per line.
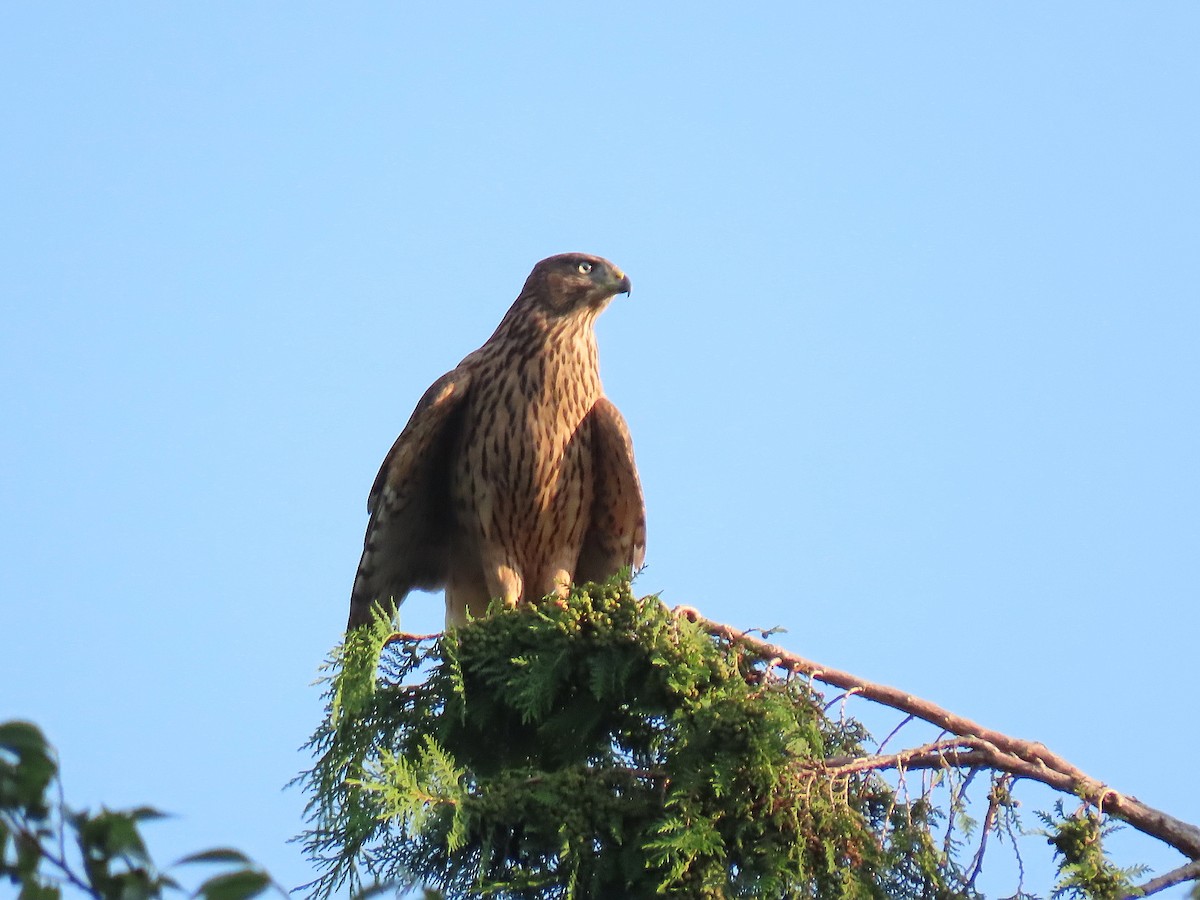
616, 534
408, 538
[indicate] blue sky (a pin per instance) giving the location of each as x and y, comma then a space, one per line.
910, 363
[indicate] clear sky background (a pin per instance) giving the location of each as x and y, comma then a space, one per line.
911, 362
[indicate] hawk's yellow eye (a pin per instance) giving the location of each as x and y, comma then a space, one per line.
584, 268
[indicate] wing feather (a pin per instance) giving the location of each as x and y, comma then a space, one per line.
616, 534
408, 538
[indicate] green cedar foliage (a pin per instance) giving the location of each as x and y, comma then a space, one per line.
1084, 871
600, 747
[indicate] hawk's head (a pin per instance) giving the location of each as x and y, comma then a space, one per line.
574, 281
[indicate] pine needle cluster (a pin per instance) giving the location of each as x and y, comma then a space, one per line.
600, 747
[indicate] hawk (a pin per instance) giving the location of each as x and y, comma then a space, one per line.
514, 477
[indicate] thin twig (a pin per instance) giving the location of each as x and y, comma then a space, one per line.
893, 733
399, 637
989, 822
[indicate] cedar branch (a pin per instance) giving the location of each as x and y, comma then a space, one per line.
1190, 872
978, 747
972, 747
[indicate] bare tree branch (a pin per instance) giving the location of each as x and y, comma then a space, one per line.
1190, 872
975, 746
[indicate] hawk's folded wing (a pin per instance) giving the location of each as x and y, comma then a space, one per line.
616, 534
408, 538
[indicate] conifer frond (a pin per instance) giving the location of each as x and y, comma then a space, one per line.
601, 747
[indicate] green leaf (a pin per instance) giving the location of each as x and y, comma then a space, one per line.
22, 739
33, 891
147, 814
216, 855
27, 768
135, 884
239, 885
109, 834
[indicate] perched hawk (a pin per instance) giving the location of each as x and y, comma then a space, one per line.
514, 477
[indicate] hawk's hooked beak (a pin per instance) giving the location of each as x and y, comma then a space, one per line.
622, 285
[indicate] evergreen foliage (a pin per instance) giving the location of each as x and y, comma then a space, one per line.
600, 747
1084, 870
597, 748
